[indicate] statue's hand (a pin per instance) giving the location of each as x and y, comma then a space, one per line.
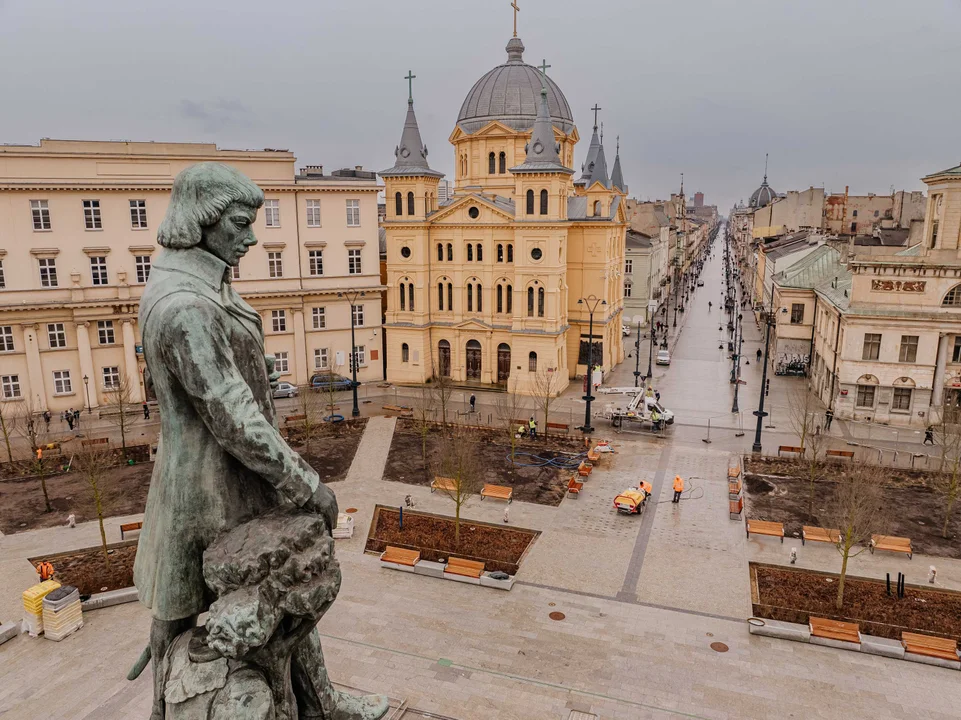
324, 502
272, 375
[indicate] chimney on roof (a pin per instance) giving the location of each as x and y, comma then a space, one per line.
358, 167
312, 170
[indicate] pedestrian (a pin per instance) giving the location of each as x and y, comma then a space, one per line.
828, 419
507, 514
76, 418
759, 353
63, 417
709, 306
532, 425
409, 501
657, 395
70, 420
472, 401
928, 435
678, 488
146, 411
46, 419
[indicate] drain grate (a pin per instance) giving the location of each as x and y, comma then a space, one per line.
557, 615
719, 647
578, 715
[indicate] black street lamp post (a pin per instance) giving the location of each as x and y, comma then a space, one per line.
591, 301
86, 387
756, 447
637, 355
351, 297
650, 358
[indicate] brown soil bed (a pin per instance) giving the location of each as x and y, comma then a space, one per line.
793, 595
499, 548
914, 510
542, 485
89, 573
332, 448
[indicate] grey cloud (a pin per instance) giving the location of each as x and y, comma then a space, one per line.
216, 115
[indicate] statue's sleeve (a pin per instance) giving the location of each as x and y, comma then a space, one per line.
196, 348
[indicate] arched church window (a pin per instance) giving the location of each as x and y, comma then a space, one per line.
502, 168
510, 253
953, 298
410, 203
540, 302
440, 296
597, 208
510, 299
491, 164
530, 202
403, 297
398, 204
530, 302
543, 202
480, 252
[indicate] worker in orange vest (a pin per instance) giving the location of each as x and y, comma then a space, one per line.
45, 570
678, 488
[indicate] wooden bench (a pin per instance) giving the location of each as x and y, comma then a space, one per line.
467, 568
835, 630
930, 646
593, 456
789, 449
94, 441
294, 419
403, 411
848, 454
892, 543
820, 534
400, 556
574, 487
130, 527
443, 483
733, 472
765, 527
584, 469
558, 426
500, 492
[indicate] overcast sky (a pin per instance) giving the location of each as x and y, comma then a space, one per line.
859, 92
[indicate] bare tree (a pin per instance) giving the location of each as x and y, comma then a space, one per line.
307, 404
93, 465
947, 481
32, 427
120, 404
9, 414
328, 390
544, 389
803, 411
813, 460
857, 512
509, 408
459, 464
442, 387
423, 419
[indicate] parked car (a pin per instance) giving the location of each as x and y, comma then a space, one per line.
663, 357
285, 390
626, 330
700, 283
324, 382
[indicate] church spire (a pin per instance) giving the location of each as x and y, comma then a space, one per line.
617, 176
599, 172
588, 167
542, 150
411, 153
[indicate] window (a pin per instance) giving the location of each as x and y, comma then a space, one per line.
500, 253
440, 252
403, 297
353, 213
404, 353
530, 302
854, 214
6, 338
3, 280
540, 302
502, 163
41, 215
111, 377
56, 335
491, 164
872, 347
275, 264
797, 313
543, 202
358, 315
48, 272
480, 252
440, 296
360, 352
234, 272
470, 252
319, 316
315, 262
450, 253
398, 204
410, 203
902, 399
909, 349
510, 253
597, 208
353, 262
629, 266
854, 227
956, 353
143, 268
281, 362
530, 202
320, 359
510, 299
91, 215
875, 213
272, 213
480, 301
410, 296
11, 386
138, 214
500, 298
61, 382
313, 213
532, 362
278, 320
865, 398
953, 298
628, 288
536, 253
105, 332
98, 270
450, 296
470, 297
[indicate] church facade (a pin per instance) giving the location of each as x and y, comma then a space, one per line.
496, 286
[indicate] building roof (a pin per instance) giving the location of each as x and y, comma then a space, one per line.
763, 196
411, 153
599, 171
822, 265
884, 237
956, 171
637, 240
789, 248
588, 166
543, 151
510, 94
577, 208
617, 176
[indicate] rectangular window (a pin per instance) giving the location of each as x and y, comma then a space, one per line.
319, 315
41, 214
105, 332
360, 352
111, 377
902, 399
797, 313
628, 289
872, 347
358, 312
313, 213
3, 279
909, 349
320, 359
143, 268
275, 264
235, 272
353, 262
629, 266
48, 272
61, 382
353, 213
281, 363
91, 215
56, 335
278, 320
11, 387
865, 397
6, 338
315, 262
272, 213
956, 353
138, 214
98, 270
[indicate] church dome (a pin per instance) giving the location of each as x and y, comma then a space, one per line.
763, 196
510, 94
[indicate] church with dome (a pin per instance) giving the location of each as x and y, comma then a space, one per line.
516, 279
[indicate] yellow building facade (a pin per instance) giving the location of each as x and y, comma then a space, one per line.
486, 288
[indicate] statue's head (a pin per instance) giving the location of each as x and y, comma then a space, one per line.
277, 566
213, 206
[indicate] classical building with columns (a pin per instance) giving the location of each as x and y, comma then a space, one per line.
78, 225
485, 288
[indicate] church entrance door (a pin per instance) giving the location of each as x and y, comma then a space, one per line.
503, 363
473, 360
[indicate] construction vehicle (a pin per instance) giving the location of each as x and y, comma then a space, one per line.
633, 500
638, 412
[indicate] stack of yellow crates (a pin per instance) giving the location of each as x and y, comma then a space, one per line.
61, 613
33, 606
